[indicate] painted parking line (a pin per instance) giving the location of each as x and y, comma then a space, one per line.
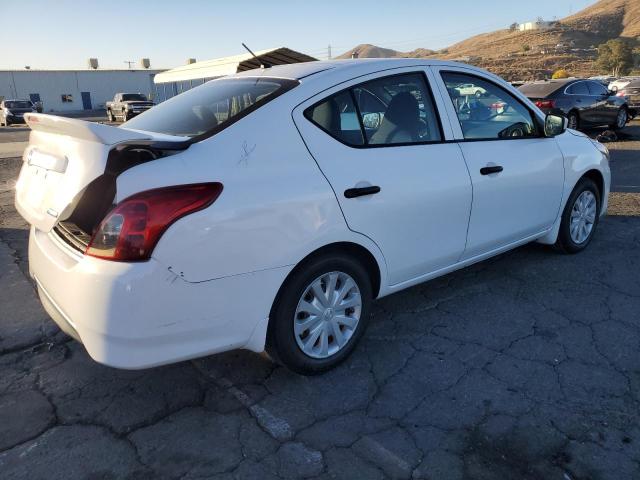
277, 427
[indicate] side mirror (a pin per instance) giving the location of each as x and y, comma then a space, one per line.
371, 120
554, 125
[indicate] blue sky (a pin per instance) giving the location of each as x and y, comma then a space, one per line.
64, 33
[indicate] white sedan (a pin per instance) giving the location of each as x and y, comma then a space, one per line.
261, 210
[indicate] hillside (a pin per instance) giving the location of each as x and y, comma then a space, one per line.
569, 43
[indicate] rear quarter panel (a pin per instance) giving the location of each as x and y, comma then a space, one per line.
276, 206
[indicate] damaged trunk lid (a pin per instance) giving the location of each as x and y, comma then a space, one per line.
63, 157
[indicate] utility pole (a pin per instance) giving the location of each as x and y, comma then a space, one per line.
329, 52
129, 63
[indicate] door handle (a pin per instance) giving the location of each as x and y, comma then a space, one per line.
490, 170
361, 191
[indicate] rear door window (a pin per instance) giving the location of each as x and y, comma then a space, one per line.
394, 110
579, 88
211, 107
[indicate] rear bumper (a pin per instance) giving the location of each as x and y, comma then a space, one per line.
139, 315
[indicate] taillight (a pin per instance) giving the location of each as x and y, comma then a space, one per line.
546, 104
132, 229
621, 94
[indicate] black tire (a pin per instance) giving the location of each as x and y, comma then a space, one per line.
478, 94
616, 125
573, 120
565, 243
281, 344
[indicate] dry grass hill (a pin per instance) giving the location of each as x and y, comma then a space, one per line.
569, 43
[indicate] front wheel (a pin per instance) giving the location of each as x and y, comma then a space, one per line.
320, 314
580, 217
621, 119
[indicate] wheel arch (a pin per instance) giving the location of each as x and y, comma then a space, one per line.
355, 250
597, 178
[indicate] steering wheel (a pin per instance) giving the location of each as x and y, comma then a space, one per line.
519, 129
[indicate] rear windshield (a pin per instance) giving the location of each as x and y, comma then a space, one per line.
210, 107
542, 89
131, 97
18, 104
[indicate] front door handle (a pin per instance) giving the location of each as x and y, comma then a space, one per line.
490, 170
361, 191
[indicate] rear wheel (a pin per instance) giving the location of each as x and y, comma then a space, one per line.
621, 119
573, 120
478, 93
580, 217
320, 314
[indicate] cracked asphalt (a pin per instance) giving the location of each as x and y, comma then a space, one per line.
522, 367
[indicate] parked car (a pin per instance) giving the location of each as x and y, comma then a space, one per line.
619, 84
259, 210
471, 89
585, 103
125, 106
631, 92
12, 111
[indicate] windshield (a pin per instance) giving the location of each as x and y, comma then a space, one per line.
212, 105
127, 97
18, 104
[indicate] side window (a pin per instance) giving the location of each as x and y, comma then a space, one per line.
397, 109
487, 111
597, 89
337, 116
579, 88
392, 110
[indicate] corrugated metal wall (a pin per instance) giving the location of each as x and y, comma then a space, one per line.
51, 85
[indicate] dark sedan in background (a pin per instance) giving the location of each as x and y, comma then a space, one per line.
12, 111
585, 103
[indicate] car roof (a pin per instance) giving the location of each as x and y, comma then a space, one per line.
298, 71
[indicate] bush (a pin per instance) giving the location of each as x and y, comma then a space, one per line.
562, 73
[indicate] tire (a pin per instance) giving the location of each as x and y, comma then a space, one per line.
285, 343
621, 119
569, 242
478, 94
573, 120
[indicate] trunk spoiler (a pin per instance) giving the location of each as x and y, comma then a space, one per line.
89, 131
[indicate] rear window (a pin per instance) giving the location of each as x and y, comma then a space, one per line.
210, 107
132, 97
18, 104
540, 90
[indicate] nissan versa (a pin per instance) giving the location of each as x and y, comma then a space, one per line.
269, 208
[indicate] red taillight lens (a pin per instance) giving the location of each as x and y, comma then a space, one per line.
131, 230
621, 94
546, 104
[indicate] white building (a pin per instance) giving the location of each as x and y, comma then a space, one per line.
537, 25
175, 81
74, 90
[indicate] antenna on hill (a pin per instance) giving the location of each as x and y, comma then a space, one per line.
254, 56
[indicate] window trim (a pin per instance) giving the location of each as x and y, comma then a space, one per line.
365, 143
536, 120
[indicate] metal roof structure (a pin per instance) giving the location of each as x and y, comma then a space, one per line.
221, 67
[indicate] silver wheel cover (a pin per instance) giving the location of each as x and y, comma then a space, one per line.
327, 314
583, 217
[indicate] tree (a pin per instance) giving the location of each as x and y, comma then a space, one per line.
514, 26
615, 56
562, 73
526, 48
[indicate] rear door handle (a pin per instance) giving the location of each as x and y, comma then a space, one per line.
361, 191
490, 170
